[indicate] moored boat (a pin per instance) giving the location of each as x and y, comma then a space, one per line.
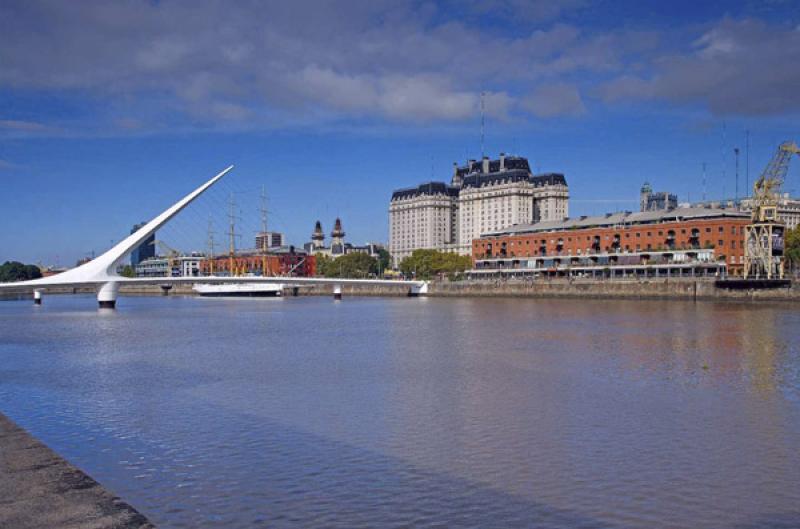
239, 289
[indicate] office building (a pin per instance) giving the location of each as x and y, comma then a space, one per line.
146, 250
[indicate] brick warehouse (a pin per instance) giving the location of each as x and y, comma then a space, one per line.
677, 240
283, 264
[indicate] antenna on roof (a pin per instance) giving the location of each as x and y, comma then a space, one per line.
482, 123
747, 163
704, 181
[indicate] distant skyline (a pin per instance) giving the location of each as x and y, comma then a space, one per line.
110, 111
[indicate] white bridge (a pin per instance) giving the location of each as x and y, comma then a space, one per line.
101, 274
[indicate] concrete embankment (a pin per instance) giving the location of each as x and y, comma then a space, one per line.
40, 489
686, 289
655, 289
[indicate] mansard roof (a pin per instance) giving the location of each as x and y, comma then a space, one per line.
513, 175
509, 163
428, 188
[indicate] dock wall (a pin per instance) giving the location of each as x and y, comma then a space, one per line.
40, 489
685, 289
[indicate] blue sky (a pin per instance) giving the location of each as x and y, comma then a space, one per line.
109, 111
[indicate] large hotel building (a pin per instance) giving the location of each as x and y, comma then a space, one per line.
482, 197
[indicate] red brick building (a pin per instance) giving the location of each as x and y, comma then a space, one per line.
625, 239
294, 264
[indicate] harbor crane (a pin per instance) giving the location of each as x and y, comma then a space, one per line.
763, 237
171, 254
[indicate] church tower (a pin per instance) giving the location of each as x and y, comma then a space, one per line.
317, 237
337, 235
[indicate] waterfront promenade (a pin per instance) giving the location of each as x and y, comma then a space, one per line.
40, 489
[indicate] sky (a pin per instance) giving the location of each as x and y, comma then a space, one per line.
111, 111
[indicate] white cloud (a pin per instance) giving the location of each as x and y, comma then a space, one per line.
552, 100
743, 67
211, 60
22, 126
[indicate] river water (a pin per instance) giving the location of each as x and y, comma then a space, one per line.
486, 413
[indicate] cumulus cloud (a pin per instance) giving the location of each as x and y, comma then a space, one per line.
235, 63
232, 61
551, 100
528, 10
743, 67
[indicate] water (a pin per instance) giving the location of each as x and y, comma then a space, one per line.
303, 412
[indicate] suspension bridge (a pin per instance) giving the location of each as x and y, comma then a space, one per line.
101, 273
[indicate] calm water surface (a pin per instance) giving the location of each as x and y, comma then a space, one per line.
418, 412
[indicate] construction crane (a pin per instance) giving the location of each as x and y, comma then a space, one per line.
763, 239
172, 256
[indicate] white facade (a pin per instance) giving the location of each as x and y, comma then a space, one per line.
483, 196
498, 205
269, 239
424, 217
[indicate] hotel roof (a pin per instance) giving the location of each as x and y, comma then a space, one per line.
620, 219
428, 188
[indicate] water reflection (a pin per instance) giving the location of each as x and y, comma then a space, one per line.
424, 413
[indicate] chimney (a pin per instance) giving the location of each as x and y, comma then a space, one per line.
502, 161
455, 169
471, 164
485, 165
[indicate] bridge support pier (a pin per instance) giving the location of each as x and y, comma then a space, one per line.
37, 297
107, 295
418, 290
337, 292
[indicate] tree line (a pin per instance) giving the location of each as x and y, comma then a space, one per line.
421, 264
16, 271
427, 264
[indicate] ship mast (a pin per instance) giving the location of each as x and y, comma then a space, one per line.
231, 234
264, 242
210, 246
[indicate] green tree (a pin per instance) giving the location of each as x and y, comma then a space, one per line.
16, 271
353, 265
128, 271
324, 265
792, 247
425, 264
384, 259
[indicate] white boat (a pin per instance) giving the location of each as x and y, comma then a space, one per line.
239, 289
